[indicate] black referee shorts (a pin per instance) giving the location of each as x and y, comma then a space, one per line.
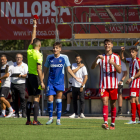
4, 92
32, 84
65, 94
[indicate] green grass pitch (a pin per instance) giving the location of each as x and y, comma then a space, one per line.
71, 129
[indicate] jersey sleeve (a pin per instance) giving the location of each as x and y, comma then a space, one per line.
30, 47
47, 64
118, 60
138, 64
128, 60
67, 62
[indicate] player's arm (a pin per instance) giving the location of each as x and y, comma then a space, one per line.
40, 75
34, 30
45, 73
137, 75
117, 67
73, 75
75, 70
94, 64
6, 73
122, 54
84, 82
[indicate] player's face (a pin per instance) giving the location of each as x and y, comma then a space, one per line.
108, 46
78, 60
133, 54
3, 60
56, 50
19, 58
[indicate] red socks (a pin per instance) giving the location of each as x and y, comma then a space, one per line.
105, 113
138, 110
113, 115
133, 111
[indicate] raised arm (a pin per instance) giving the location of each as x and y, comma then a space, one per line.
122, 54
34, 30
94, 64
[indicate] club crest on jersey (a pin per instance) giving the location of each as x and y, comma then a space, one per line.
60, 60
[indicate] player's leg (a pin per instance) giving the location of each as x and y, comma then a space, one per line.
29, 101
120, 100
133, 94
59, 106
68, 95
50, 93
3, 112
82, 103
36, 109
4, 95
50, 109
74, 97
105, 97
113, 93
28, 109
113, 113
138, 108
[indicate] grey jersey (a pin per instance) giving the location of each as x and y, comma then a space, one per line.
5, 82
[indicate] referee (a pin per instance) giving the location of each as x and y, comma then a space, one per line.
35, 77
18, 84
80, 71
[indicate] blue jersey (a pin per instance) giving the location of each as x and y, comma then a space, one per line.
56, 68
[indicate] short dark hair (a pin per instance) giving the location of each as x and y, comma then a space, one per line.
35, 41
133, 49
3, 55
108, 40
57, 44
77, 55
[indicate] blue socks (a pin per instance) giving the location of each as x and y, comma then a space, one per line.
50, 109
59, 108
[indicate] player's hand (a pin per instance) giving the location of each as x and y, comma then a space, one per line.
42, 85
122, 49
120, 83
82, 65
100, 57
34, 21
128, 81
81, 89
78, 80
110, 61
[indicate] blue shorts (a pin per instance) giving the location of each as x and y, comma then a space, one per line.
52, 89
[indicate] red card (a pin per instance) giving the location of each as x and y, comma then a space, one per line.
36, 17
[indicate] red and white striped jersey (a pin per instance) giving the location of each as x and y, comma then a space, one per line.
134, 66
108, 74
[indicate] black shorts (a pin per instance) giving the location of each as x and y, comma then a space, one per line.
4, 92
120, 89
32, 84
65, 94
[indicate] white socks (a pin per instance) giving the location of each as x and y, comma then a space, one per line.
10, 109
51, 118
58, 120
68, 107
3, 112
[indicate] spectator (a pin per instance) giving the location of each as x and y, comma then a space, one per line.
5, 87
121, 76
80, 71
18, 84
